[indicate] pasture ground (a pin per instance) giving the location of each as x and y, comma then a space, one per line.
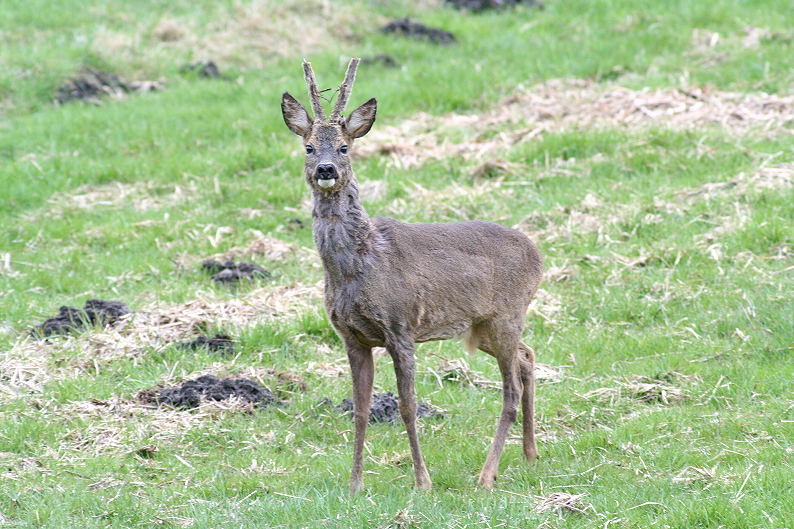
646, 146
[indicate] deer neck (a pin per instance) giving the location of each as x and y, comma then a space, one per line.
343, 233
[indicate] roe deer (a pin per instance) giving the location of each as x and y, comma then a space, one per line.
391, 284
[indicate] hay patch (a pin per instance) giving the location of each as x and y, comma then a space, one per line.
571, 104
457, 370
546, 305
592, 215
246, 35
769, 178
118, 425
28, 365
564, 223
455, 202
267, 247
707, 477
140, 196
562, 502
711, 48
665, 389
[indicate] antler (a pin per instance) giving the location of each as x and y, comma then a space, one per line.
314, 94
345, 88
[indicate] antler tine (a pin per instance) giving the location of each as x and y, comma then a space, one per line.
314, 94
345, 88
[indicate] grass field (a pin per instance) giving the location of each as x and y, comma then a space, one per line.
647, 147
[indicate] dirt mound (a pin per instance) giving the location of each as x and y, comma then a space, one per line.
231, 272
482, 5
220, 343
416, 30
69, 319
385, 409
93, 84
206, 69
383, 59
209, 388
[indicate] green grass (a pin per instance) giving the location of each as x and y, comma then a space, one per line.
664, 286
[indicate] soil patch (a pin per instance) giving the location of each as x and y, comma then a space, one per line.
220, 343
90, 85
209, 388
206, 69
385, 409
69, 319
416, 30
231, 272
482, 5
382, 59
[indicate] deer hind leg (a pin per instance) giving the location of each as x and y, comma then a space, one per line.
362, 368
402, 354
526, 359
502, 344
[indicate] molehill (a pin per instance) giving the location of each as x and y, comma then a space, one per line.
231, 272
385, 408
210, 388
69, 319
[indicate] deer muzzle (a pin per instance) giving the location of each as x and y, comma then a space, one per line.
326, 175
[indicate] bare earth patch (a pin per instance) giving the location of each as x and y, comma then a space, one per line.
570, 104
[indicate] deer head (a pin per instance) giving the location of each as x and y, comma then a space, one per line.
328, 141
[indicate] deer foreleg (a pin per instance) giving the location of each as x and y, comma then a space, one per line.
362, 368
403, 356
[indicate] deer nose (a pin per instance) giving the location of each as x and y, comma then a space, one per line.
326, 171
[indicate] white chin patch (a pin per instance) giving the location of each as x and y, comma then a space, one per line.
326, 182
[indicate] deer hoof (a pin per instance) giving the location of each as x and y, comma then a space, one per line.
355, 487
531, 455
423, 482
485, 484
486, 481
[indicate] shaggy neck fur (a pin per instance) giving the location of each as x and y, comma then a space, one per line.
343, 233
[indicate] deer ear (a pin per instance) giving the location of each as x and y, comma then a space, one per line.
361, 119
295, 116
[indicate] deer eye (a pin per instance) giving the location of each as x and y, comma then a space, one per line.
343, 149
309, 149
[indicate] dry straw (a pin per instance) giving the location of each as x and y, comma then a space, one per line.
562, 502
27, 366
569, 104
